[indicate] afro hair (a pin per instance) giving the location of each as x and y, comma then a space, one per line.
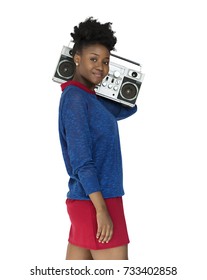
93, 32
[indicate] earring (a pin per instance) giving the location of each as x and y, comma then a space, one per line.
76, 63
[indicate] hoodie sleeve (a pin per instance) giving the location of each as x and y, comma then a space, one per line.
117, 109
74, 128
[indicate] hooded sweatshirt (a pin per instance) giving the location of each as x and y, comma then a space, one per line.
90, 143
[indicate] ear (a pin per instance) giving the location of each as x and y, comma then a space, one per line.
76, 59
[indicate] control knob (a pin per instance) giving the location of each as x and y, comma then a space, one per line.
116, 74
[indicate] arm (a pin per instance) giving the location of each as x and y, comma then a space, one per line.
76, 137
104, 222
79, 149
117, 109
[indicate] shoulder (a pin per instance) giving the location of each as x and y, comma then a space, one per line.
73, 93
73, 96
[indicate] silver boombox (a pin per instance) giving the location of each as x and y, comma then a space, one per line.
122, 84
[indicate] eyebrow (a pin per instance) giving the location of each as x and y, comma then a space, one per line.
107, 57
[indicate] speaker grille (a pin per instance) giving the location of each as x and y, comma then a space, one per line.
66, 69
129, 91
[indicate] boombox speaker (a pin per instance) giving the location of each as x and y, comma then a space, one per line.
66, 66
122, 84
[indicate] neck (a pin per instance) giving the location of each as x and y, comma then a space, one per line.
83, 81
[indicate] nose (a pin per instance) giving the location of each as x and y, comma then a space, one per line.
99, 65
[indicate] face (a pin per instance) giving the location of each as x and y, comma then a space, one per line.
93, 65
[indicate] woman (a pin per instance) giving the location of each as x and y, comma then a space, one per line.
91, 150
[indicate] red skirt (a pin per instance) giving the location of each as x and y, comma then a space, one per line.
83, 228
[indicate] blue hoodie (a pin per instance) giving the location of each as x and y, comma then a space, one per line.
90, 143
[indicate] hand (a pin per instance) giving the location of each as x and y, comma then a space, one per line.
105, 226
104, 222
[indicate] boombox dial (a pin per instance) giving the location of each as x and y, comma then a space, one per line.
116, 74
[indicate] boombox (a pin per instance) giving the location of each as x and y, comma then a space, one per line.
122, 84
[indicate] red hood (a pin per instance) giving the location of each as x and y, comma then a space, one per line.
77, 84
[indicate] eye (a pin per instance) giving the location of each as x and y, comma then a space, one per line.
106, 62
94, 59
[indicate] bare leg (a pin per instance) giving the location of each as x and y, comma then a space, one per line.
77, 253
117, 253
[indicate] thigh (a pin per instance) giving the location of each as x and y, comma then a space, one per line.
77, 253
116, 253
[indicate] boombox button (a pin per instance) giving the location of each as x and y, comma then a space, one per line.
110, 86
116, 74
104, 84
115, 88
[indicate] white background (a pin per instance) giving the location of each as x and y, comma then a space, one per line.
163, 145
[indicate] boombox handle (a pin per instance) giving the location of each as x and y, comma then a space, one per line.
125, 59
119, 57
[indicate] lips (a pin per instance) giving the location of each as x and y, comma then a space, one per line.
98, 74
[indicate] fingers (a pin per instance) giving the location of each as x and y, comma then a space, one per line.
104, 234
104, 227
